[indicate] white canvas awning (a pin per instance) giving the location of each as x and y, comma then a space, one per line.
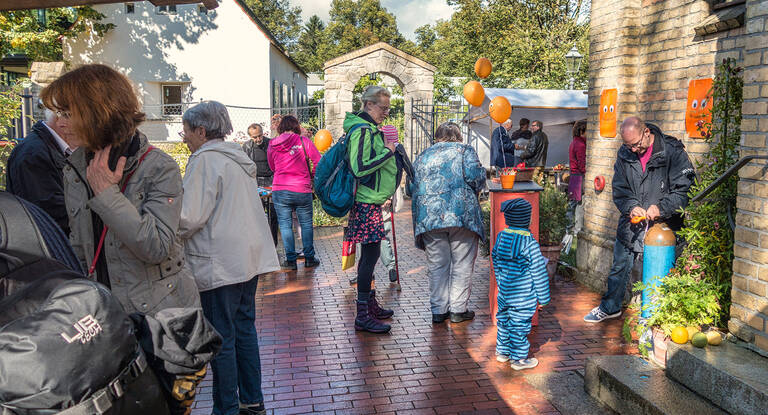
556, 109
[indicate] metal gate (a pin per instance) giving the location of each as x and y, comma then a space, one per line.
427, 116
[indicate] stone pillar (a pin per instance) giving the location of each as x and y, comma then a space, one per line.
749, 308
613, 58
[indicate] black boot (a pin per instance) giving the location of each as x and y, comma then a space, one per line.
365, 322
375, 309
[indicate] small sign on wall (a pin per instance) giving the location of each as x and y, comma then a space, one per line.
699, 106
607, 116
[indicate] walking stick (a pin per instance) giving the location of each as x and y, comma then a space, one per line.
394, 244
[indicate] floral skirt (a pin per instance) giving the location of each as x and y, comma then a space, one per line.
365, 224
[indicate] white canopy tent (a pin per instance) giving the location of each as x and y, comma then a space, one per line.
556, 109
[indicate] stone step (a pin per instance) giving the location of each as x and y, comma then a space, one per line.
631, 386
565, 391
730, 376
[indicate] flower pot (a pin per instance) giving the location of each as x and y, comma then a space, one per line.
507, 181
658, 352
552, 253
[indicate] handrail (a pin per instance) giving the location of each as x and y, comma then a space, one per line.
728, 173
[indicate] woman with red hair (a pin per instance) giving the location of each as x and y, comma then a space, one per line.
123, 197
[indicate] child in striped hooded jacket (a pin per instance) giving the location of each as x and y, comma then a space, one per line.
521, 276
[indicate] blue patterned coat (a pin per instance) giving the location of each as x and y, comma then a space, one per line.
447, 178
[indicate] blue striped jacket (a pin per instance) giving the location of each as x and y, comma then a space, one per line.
521, 272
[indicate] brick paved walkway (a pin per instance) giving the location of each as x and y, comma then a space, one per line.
313, 361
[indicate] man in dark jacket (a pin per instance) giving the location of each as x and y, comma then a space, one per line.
256, 149
35, 166
535, 153
502, 149
522, 133
651, 178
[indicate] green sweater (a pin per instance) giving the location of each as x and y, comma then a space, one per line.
371, 162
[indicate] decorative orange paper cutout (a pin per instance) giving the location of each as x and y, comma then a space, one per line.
607, 115
699, 106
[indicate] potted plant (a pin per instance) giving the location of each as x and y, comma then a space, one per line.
684, 298
553, 205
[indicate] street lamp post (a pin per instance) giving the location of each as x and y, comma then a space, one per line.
573, 63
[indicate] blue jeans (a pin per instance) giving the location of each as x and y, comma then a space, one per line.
285, 203
623, 261
237, 367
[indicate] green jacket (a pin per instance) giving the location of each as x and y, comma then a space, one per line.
370, 161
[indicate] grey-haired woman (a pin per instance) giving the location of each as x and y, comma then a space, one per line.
447, 221
223, 224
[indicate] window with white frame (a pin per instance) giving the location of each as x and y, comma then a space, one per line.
275, 94
165, 9
284, 97
172, 99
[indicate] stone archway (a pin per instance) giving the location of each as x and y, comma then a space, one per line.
415, 76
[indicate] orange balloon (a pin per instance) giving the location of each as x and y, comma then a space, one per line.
323, 140
500, 109
483, 67
474, 93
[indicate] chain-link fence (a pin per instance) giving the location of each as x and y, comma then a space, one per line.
164, 121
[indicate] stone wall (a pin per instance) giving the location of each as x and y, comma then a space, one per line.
749, 309
341, 74
649, 51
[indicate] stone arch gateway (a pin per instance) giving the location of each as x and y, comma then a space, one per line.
415, 76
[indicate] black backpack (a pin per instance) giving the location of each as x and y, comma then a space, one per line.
68, 347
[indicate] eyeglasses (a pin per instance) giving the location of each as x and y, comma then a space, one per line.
383, 109
257, 136
638, 144
63, 114
181, 134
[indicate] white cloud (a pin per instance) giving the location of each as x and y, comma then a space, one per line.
310, 7
410, 14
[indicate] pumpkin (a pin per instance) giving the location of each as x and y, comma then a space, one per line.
323, 140
474, 93
500, 109
483, 67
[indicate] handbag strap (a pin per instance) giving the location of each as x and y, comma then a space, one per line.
306, 158
104, 230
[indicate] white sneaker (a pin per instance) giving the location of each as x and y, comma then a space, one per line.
502, 357
524, 364
597, 315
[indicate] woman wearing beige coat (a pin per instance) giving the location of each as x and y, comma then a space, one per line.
123, 198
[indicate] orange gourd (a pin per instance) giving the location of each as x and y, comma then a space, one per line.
323, 140
483, 67
500, 109
474, 93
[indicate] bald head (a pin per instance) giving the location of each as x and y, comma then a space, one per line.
632, 123
636, 136
507, 124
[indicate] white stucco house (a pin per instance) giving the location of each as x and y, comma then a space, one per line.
184, 54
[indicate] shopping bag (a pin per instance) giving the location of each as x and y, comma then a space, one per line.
348, 249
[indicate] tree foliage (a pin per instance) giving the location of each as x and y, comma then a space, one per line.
280, 18
38, 33
311, 40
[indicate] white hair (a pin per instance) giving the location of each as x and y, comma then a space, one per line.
211, 115
373, 93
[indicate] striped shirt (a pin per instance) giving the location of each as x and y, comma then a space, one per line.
521, 272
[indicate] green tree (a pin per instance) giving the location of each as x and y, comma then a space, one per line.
358, 23
280, 18
526, 40
37, 33
308, 46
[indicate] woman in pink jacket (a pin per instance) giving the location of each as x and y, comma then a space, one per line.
293, 159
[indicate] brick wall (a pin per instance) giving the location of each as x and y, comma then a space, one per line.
649, 51
749, 310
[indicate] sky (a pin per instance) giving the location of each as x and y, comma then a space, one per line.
410, 14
